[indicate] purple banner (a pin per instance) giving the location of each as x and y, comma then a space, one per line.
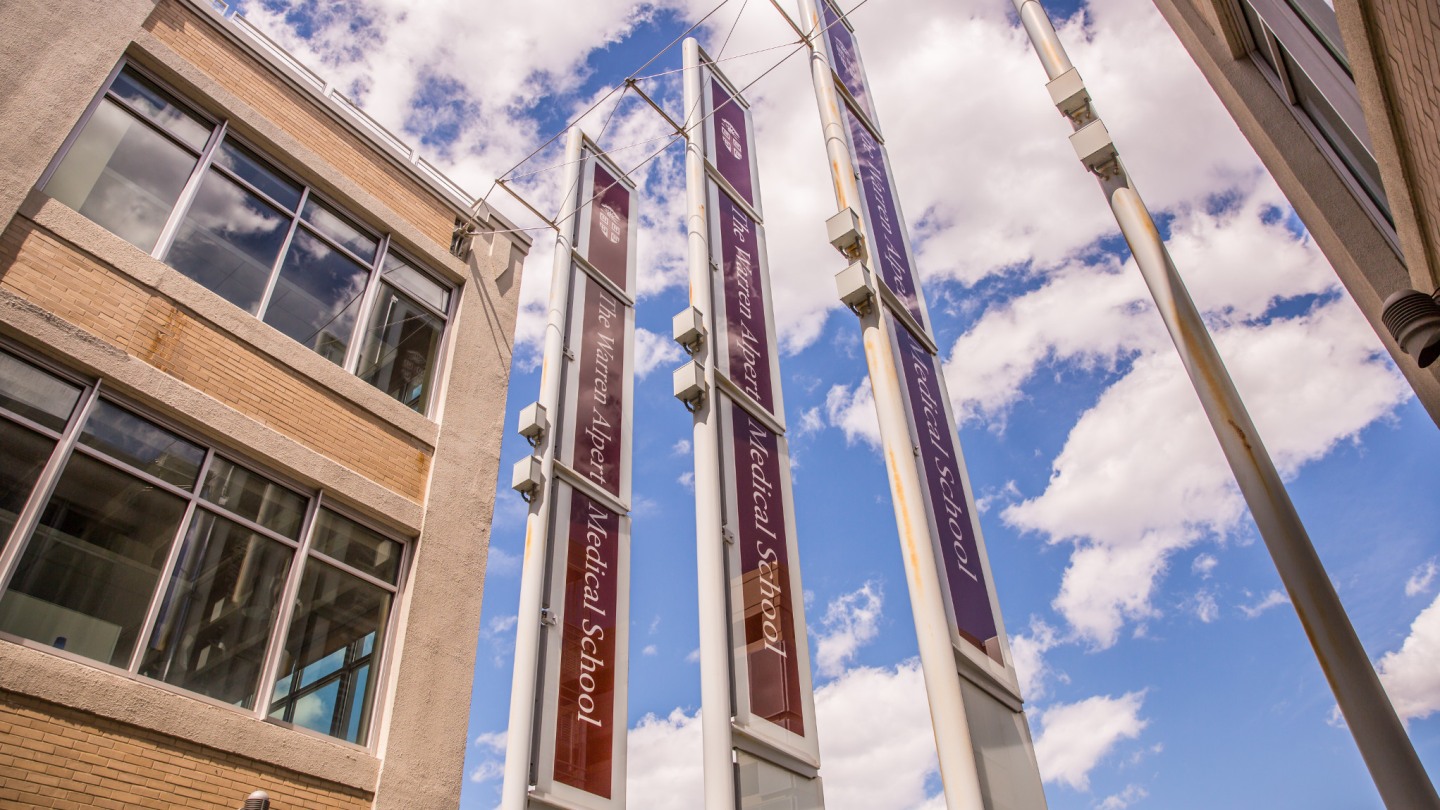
771, 642
845, 59
730, 141
585, 721
599, 406
889, 246
747, 334
945, 491
610, 228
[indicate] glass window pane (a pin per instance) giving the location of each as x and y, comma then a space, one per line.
412, 280
229, 241
339, 621
122, 174
36, 395
150, 448
1345, 142
254, 170
158, 106
23, 454
317, 297
218, 611
346, 541
334, 225
255, 497
85, 580
401, 350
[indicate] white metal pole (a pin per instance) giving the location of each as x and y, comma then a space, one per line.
1386, 749
953, 745
715, 684
523, 684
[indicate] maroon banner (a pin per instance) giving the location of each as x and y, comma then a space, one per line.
771, 642
610, 227
731, 138
845, 59
584, 723
945, 491
747, 333
889, 245
599, 403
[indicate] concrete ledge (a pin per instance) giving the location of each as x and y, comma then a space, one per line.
78, 685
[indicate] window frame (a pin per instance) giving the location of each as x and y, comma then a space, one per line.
221, 132
67, 443
1287, 42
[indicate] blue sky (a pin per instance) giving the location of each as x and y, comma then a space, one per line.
1161, 665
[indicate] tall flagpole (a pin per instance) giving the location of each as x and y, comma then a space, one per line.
523, 684
1387, 751
972, 690
710, 544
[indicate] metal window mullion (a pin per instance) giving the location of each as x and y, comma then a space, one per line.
133, 471
246, 524
29, 516
380, 655
286, 613
34, 427
280, 259
157, 599
367, 305
188, 193
345, 569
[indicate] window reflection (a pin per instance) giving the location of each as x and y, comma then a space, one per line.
339, 622
401, 349
36, 395
340, 229
229, 241
356, 546
86, 577
23, 454
317, 297
254, 497
122, 174
143, 444
215, 620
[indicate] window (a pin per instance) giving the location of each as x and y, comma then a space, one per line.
187, 191
131, 545
1298, 47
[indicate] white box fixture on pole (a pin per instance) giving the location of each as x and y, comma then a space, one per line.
567, 735
755, 656
986, 755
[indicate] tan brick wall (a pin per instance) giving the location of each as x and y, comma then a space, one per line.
1408, 34
60, 758
38, 266
179, 27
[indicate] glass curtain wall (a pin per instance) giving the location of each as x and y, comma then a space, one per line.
140, 549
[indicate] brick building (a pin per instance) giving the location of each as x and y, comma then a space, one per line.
250, 419
1342, 105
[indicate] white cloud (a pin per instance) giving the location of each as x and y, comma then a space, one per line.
1205, 607
1421, 579
1204, 565
500, 561
664, 769
1028, 651
652, 350
1075, 737
1411, 674
877, 748
687, 480
853, 411
1272, 599
811, 421
650, 649
1119, 801
681, 448
850, 622
492, 762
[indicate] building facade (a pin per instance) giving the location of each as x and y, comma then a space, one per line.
250, 415
1341, 103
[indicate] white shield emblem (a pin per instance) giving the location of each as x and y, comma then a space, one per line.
731, 138
611, 223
